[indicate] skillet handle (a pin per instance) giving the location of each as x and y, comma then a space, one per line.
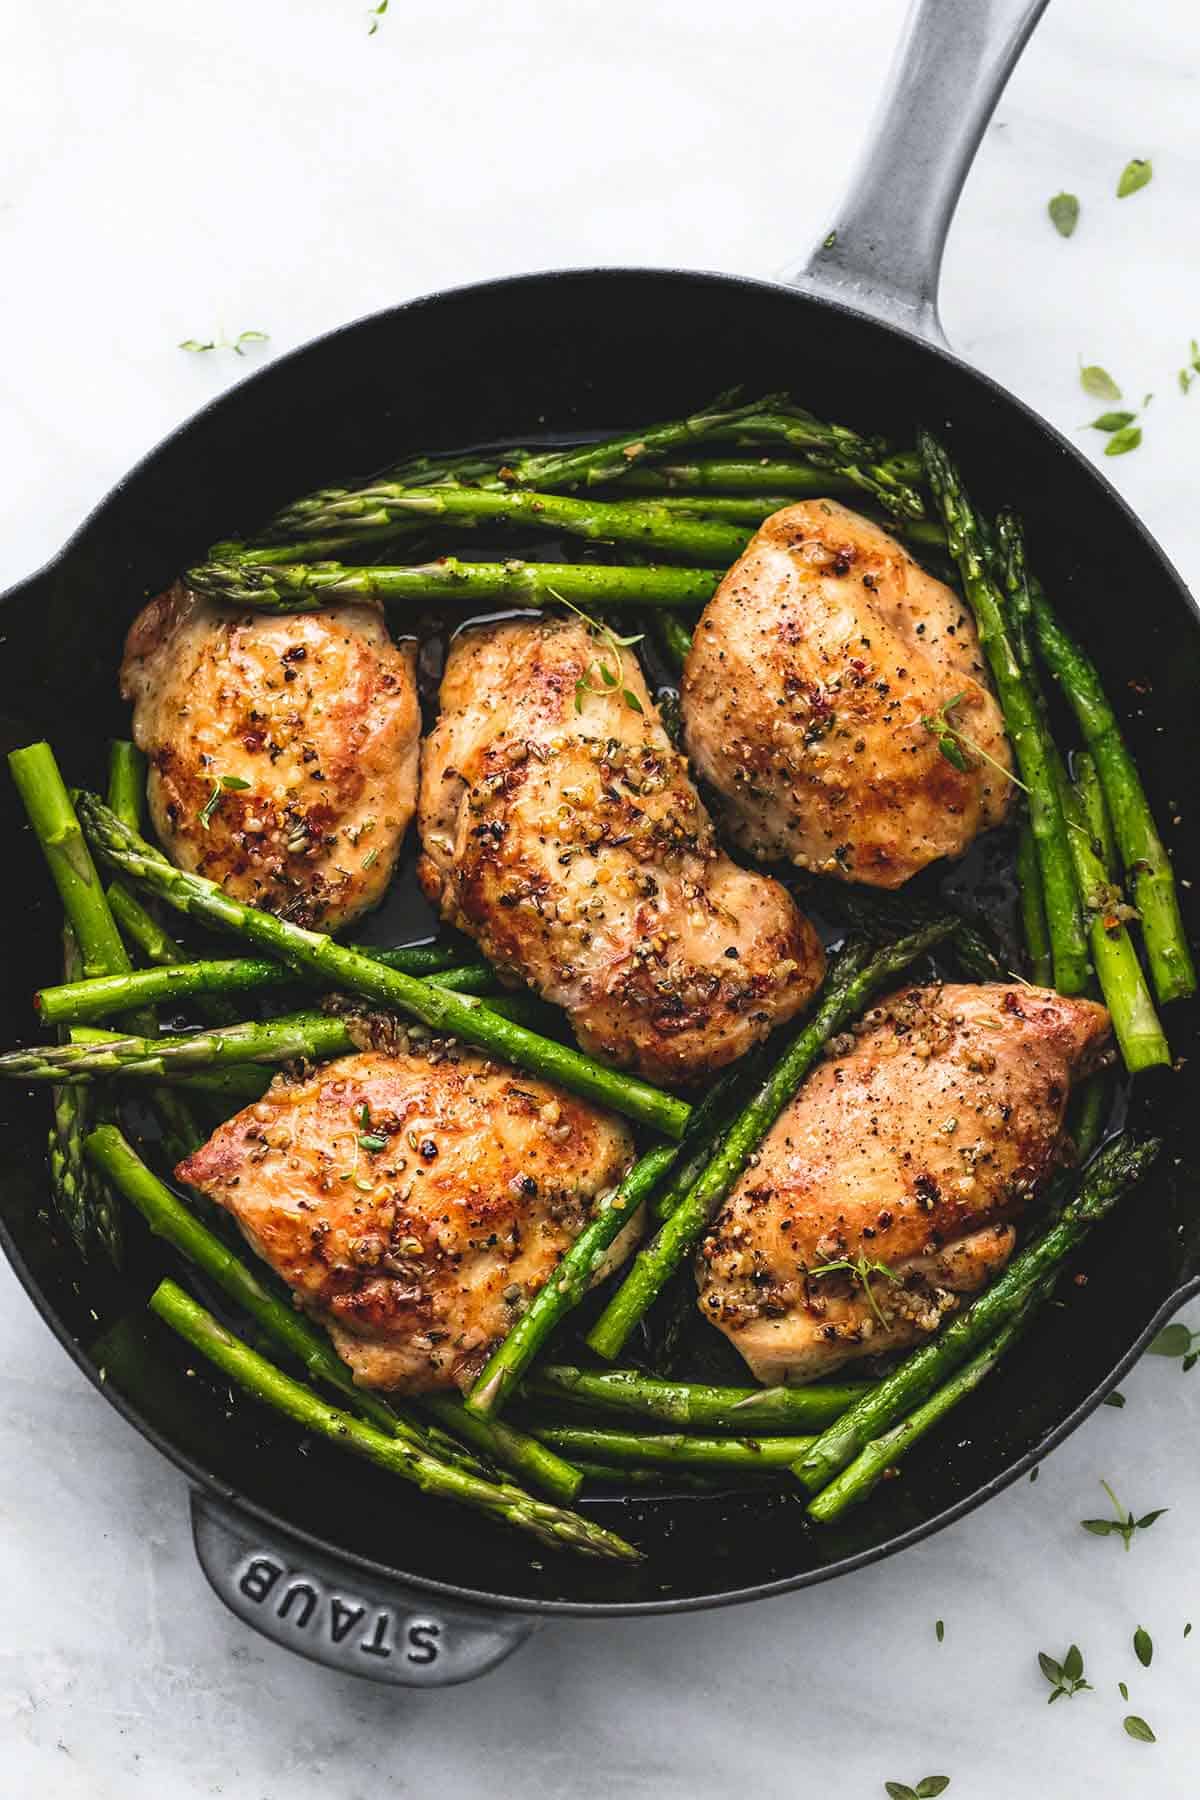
338, 1616
883, 255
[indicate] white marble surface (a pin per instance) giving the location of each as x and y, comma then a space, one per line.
167, 170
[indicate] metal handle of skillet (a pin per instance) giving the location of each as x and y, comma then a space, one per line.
882, 257
883, 252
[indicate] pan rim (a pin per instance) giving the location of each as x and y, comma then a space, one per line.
491, 1601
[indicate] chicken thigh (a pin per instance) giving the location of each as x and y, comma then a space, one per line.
911, 1149
806, 693
561, 830
283, 751
414, 1204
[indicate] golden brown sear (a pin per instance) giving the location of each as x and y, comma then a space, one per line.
815, 675
282, 750
912, 1147
560, 828
414, 1203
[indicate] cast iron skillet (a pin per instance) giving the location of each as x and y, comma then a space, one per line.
342, 1563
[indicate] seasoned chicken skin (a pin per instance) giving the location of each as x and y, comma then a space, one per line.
810, 673
560, 828
414, 1203
913, 1148
313, 719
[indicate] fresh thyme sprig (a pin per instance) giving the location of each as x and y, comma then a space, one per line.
232, 782
600, 668
1065, 1677
861, 1269
951, 742
1124, 1525
221, 342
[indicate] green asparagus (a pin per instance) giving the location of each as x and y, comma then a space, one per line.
659, 1449
552, 1525
372, 514
1143, 853
304, 587
79, 1002
693, 1403
1033, 910
1022, 718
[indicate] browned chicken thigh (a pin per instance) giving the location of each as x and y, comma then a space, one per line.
811, 674
912, 1148
283, 751
561, 829
414, 1203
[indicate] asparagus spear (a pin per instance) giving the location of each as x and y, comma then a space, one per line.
552, 1525
1022, 717
504, 1444
672, 1476
506, 1366
882, 1454
612, 459
370, 514
854, 978
79, 1002
659, 1449
1113, 1172
1095, 812
236, 1084
127, 782
1033, 909
313, 953
1127, 996
297, 586
693, 1403
1143, 853
739, 475
92, 946
81, 1201
56, 827
310, 1036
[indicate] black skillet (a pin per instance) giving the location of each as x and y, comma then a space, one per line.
340, 1563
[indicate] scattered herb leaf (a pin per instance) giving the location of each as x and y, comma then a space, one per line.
1112, 421
1122, 1690
1123, 441
1116, 1398
370, 1140
926, 1789
1187, 1630
1136, 173
939, 1630
1138, 1728
234, 782
1124, 1525
830, 240
1098, 382
1191, 368
1065, 1677
375, 15
1064, 213
1143, 1646
1176, 1340
1035, 1472
370, 857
